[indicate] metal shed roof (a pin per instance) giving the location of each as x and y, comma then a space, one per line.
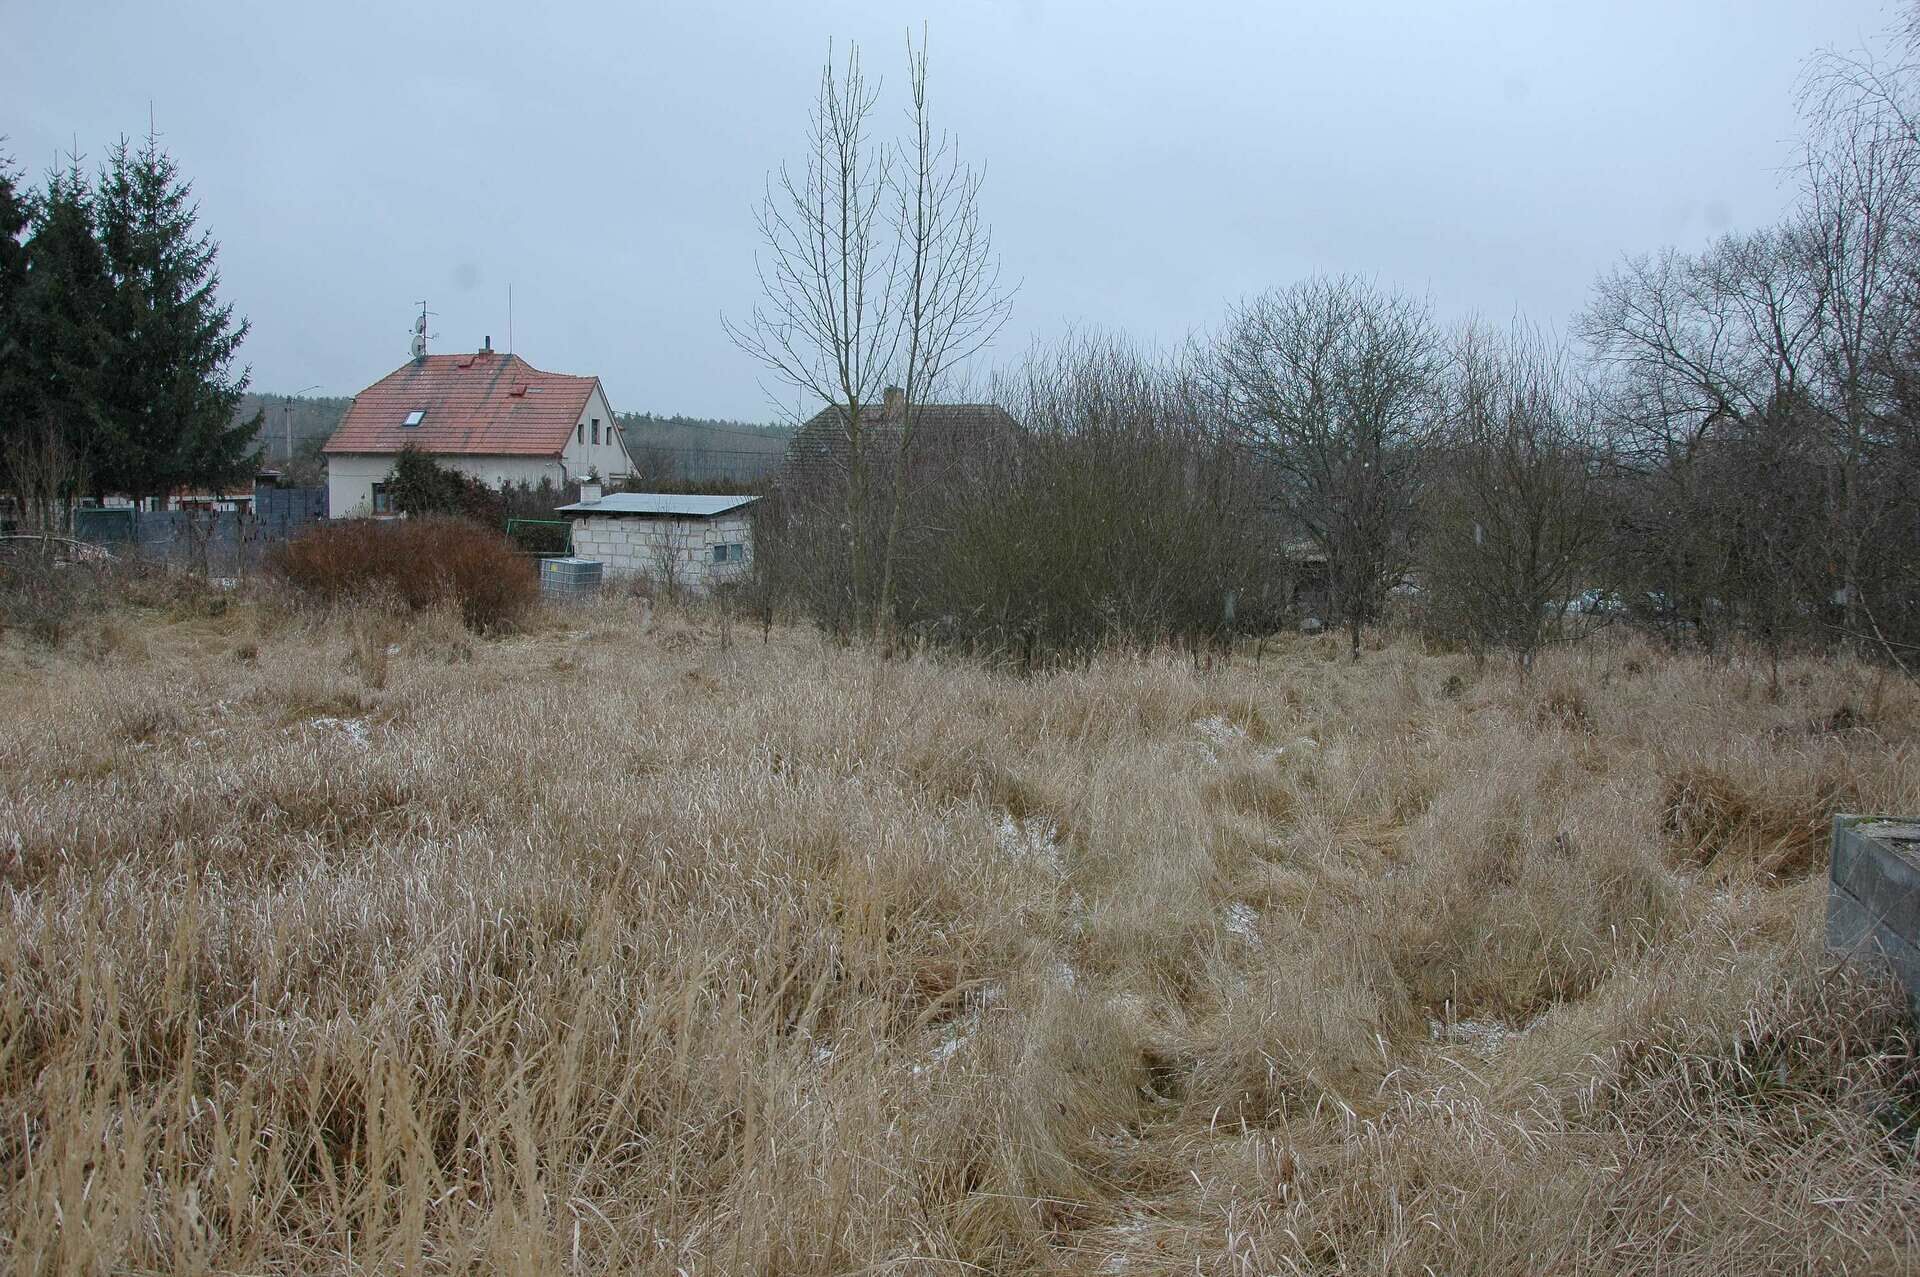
669, 504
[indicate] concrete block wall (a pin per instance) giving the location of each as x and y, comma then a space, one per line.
1873, 895
632, 546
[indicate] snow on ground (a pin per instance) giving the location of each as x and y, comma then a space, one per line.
957, 1036
1036, 840
354, 729
1483, 1037
1221, 736
1243, 920
1219, 733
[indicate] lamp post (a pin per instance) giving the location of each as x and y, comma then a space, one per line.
286, 416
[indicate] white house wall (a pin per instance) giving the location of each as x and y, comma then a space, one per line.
350, 480
582, 454
351, 476
659, 548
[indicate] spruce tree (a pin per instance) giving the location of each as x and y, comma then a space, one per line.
59, 339
16, 388
170, 386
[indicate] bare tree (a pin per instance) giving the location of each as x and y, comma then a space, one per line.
672, 570
828, 324
1333, 383
877, 270
44, 475
1861, 176
1515, 508
952, 303
1696, 350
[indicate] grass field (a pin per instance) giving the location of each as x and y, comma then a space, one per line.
355, 944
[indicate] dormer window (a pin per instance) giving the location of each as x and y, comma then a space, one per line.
415, 417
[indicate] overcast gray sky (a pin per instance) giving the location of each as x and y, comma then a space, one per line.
1145, 163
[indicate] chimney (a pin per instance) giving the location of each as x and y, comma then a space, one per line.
589, 491
487, 347
895, 403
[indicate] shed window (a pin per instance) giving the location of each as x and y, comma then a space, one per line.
415, 417
733, 552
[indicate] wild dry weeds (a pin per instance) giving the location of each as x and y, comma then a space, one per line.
353, 944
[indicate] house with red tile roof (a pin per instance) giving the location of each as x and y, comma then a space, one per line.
489, 415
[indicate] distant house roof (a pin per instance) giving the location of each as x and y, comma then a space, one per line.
943, 434
484, 403
659, 505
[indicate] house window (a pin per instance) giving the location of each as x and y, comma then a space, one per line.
596, 430
581, 433
734, 552
382, 499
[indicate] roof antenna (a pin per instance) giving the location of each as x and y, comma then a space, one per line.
420, 333
509, 319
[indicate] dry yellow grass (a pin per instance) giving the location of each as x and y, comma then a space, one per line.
353, 944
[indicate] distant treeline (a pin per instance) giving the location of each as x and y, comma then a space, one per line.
646, 429
311, 421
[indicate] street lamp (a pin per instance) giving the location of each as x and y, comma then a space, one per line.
286, 416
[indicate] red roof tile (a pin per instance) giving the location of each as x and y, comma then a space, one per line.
485, 403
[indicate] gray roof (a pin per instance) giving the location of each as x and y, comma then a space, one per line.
667, 504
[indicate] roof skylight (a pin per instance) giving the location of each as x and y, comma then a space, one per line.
415, 417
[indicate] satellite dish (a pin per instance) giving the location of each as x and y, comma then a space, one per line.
420, 333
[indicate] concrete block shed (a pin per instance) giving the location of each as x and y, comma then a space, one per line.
685, 542
1873, 895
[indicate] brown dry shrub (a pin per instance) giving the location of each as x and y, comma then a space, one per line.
1774, 823
421, 562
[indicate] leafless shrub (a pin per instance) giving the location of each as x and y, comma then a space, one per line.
1334, 384
1513, 514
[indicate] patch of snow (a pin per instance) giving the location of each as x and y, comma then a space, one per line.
1243, 920
1037, 840
1064, 974
1077, 920
1119, 1261
957, 1036
949, 1048
1483, 1037
1219, 733
354, 729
